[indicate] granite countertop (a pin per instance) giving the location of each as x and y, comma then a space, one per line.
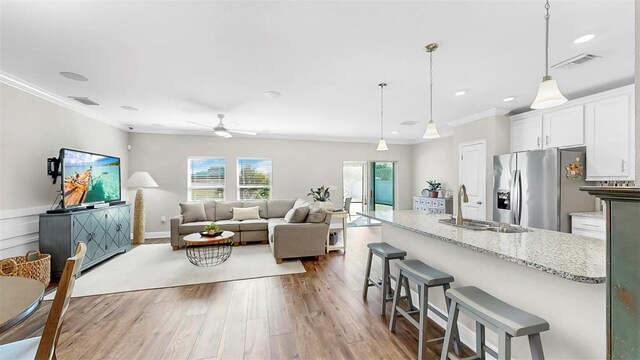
572, 257
591, 214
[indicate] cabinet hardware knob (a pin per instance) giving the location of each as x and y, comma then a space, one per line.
547, 140
479, 202
538, 141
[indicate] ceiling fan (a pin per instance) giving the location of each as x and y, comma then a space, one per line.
223, 131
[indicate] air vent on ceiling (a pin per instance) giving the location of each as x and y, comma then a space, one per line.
84, 100
409, 122
575, 61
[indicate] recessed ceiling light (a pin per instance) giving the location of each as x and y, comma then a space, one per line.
460, 92
584, 38
127, 107
510, 98
73, 76
272, 94
395, 132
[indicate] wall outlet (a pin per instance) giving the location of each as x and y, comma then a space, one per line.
163, 219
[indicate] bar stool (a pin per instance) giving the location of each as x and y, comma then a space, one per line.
506, 320
386, 252
425, 277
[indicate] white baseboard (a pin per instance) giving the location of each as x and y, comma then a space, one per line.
155, 234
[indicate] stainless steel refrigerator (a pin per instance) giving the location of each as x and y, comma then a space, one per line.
540, 188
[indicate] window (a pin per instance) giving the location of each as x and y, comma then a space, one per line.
254, 179
206, 178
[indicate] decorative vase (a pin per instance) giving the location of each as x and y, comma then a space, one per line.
327, 205
434, 194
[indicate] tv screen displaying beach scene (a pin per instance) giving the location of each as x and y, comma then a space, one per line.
89, 178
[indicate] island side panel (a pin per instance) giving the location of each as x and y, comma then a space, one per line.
575, 311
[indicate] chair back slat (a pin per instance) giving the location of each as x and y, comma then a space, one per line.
347, 204
49, 340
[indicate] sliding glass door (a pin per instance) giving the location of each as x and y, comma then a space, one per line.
382, 185
354, 183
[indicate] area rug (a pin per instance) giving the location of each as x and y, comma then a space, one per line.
156, 266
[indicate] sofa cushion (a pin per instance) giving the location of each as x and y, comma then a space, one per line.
210, 209
229, 225
250, 213
193, 211
192, 227
254, 225
316, 214
278, 208
301, 202
297, 215
261, 203
223, 209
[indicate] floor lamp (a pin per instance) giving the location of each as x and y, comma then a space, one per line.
140, 180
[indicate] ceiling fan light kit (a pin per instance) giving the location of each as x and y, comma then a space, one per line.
431, 132
382, 144
548, 93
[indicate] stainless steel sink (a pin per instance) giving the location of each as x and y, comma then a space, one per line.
485, 226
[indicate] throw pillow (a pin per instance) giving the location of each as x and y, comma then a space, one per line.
297, 215
193, 211
249, 213
316, 214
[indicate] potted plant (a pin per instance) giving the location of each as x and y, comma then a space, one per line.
321, 196
211, 229
434, 187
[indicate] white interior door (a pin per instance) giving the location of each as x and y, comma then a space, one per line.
473, 168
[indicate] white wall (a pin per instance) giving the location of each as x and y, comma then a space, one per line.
434, 160
31, 130
438, 159
297, 166
637, 80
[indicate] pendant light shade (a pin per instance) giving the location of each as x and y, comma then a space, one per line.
548, 93
382, 144
432, 131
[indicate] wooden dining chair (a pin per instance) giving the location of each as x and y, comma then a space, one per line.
44, 348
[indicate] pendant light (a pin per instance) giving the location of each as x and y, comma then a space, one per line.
548, 93
382, 145
432, 131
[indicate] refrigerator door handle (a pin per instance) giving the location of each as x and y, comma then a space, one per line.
516, 194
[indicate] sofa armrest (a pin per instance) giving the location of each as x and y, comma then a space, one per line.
176, 221
299, 240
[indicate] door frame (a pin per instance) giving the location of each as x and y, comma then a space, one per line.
370, 201
482, 142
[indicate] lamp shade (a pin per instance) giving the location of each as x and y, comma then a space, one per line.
548, 95
431, 132
141, 179
382, 145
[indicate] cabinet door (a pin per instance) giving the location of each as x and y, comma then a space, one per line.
526, 134
610, 139
564, 128
124, 228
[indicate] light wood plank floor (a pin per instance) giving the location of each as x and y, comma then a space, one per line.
319, 314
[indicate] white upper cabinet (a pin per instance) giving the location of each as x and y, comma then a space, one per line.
526, 133
563, 128
610, 138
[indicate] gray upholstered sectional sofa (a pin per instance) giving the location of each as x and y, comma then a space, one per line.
288, 239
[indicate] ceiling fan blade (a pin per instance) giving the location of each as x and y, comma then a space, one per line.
243, 132
208, 126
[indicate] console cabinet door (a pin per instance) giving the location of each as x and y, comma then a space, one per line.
563, 128
610, 139
526, 134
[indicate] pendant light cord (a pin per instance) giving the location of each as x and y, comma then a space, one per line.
546, 41
431, 86
382, 85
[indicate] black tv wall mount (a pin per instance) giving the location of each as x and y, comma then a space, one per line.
53, 168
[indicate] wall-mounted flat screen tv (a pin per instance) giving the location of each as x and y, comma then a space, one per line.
89, 178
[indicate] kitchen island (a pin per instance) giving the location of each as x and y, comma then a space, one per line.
557, 276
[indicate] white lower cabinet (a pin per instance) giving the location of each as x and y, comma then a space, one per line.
610, 138
589, 226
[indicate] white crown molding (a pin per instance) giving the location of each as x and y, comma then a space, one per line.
34, 90
478, 116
